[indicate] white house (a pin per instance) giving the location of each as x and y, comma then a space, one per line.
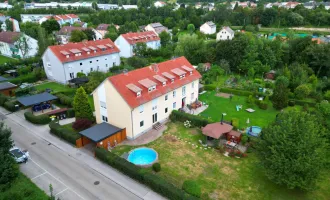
139, 100
107, 6
126, 42
33, 17
62, 19
5, 5
63, 62
156, 27
15, 23
225, 33
64, 34
127, 7
17, 45
208, 28
159, 4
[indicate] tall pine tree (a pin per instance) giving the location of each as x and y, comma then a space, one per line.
280, 97
81, 106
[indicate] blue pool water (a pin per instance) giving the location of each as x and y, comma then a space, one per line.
256, 130
142, 156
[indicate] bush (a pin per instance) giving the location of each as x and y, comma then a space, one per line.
82, 124
269, 85
327, 95
70, 113
235, 123
237, 92
291, 102
302, 91
156, 167
244, 139
258, 80
3, 99
263, 105
192, 187
303, 102
40, 119
65, 100
10, 106
23, 91
29, 78
209, 87
195, 120
155, 182
63, 133
250, 100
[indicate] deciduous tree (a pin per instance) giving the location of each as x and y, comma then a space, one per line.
77, 36
280, 96
50, 25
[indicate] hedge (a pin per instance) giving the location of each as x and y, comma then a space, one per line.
155, 182
237, 92
209, 87
63, 133
29, 78
10, 106
40, 119
303, 102
65, 100
3, 99
192, 187
70, 113
195, 120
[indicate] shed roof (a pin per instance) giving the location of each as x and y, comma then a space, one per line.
3, 78
36, 99
216, 130
6, 85
100, 132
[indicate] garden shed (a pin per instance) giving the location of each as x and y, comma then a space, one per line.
7, 88
234, 136
216, 130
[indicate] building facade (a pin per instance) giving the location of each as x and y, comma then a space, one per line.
126, 42
139, 99
156, 28
208, 28
63, 62
62, 19
225, 33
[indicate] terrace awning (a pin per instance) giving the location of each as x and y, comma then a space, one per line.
216, 130
100, 132
36, 99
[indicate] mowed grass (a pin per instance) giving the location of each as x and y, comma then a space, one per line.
220, 177
23, 188
55, 87
4, 59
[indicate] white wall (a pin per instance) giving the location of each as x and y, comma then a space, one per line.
224, 35
32, 43
206, 29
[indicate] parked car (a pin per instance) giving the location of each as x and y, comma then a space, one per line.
18, 155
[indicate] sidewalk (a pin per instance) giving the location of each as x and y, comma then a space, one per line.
43, 132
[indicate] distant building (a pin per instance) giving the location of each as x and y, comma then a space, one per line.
225, 33
76, 5
63, 62
126, 42
15, 23
156, 27
208, 28
9, 45
127, 7
64, 34
159, 4
62, 19
33, 17
5, 5
108, 6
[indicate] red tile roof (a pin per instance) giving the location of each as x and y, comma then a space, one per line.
121, 81
64, 17
59, 49
133, 38
9, 37
103, 27
69, 29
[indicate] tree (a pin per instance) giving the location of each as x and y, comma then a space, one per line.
43, 42
292, 150
81, 105
22, 44
137, 62
191, 28
280, 96
77, 36
165, 38
224, 64
51, 25
192, 48
8, 167
295, 19
94, 6
140, 49
89, 33
112, 35
95, 79
302, 91
9, 25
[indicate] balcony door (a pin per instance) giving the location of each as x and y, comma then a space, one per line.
154, 118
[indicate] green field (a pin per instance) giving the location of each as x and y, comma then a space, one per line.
4, 59
23, 189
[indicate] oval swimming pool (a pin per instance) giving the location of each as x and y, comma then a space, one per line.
143, 156
254, 131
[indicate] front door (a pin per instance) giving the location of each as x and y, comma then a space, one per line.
183, 102
154, 118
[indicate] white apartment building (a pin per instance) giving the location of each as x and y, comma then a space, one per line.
139, 99
225, 33
62, 19
126, 42
208, 28
63, 62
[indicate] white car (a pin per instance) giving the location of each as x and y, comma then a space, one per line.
18, 155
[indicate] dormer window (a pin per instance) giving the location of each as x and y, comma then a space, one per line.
164, 83
94, 51
184, 75
153, 87
88, 52
181, 76
67, 56
138, 94
150, 89
191, 73
172, 80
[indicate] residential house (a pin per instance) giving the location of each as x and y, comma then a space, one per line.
225, 33
156, 27
140, 99
62, 19
325, 4
82, 24
159, 4
127, 7
12, 45
208, 28
108, 6
33, 17
245, 4
291, 4
126, 42
76, 5
64, 34
15, 23
5, 5
102, 29
63, 62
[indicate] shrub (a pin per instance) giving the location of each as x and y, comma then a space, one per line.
258, 80
269, 85
192, 187
235, 122
40, 119
23, 91
195, 120
28, 78
250, 100
244, 139
10, 106
156, 167
291, 102
63, 133
3, 99
81, 124
263, 105
327, 95
266, 99
70, 113
305, 107
65, 100
302, 91
237, 92
209, 87
303, 102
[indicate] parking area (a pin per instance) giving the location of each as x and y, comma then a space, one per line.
42, 178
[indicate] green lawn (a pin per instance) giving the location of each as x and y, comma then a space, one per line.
23, 188
56, 87
4, 59
220, 177
219, 105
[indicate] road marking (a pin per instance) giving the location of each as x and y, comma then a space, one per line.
39, 175
57, 179
61, 191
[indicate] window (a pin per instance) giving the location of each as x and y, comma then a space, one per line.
174, 105
80, 64
138, 94
184, 91
166, 109
141, 108
174, 94
90, 61
91, 69
82, 71
141, 123
103, 104
71, 75
106, 58
104, 118
114, 64
192, 96
97, 60
166, 97
106, 65
193, 84
154, 104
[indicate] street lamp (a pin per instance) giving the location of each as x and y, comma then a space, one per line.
223, 114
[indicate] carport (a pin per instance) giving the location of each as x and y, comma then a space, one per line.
104, 134
37, 99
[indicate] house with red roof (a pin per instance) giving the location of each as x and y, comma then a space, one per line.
63, 62
62, 19
126, 42
141, 99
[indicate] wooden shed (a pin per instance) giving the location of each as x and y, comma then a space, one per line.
7, 88
234, 136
